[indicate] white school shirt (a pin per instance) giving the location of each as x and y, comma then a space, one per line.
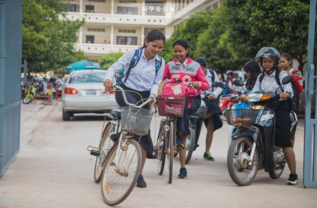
217, 91
142, 77
269, 84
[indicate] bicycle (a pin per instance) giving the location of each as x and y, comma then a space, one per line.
166, 140
122, 164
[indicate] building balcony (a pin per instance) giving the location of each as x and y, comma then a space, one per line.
142, 20
99, 49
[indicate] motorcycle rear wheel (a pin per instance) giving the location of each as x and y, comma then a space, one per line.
238, 149
277, 171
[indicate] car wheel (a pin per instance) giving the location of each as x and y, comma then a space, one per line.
66, 116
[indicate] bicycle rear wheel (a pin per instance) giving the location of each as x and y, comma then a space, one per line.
160, 148
170, 152
118, 180
104, 147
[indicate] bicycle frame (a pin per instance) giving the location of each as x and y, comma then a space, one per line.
124, 134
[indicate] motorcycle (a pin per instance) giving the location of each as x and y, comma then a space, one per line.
30, 93
252, 147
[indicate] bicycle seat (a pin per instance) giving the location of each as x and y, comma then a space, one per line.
116, 113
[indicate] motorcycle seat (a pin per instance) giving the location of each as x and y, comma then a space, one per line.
293, 117
116, 113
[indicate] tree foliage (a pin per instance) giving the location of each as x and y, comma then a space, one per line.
211, 47
48, 37
194, 26
106, 60
234, 33
277, 23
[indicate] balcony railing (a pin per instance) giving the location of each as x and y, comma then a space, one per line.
119, 19
104, 48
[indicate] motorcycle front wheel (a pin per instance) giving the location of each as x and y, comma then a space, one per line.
27, 100
238, 161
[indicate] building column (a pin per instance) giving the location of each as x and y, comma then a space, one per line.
81, 6
112, 7
111, 38
142, 35
81, 36
143, 7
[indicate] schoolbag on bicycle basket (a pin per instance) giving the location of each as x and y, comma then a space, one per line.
172, 97
135, 60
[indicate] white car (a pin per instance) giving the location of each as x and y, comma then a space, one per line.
84, 93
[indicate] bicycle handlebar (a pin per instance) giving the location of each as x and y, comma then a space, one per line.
191, 85
151, 98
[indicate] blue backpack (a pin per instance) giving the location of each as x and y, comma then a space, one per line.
134, 61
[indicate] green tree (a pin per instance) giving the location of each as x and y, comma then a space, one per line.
211, 47
48, 37
277, 23
106, 60
195, 25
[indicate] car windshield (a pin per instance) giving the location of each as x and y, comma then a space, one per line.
90, 77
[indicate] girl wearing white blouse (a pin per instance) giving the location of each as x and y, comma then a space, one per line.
269, 58
142, 74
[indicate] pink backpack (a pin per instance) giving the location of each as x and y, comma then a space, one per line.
172, 98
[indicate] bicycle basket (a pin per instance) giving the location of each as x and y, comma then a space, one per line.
245, 117
135, 120
171, 106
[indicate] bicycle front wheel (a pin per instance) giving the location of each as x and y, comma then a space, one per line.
160, 150
121, 171
104, 147
170, 152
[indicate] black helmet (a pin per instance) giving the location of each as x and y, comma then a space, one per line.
268, 52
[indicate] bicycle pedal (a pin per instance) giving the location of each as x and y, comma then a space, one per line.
95, 152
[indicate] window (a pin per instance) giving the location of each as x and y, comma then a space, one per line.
83, 78
96, 29
127, 10
90, 39
127, 40
127, 1
90, 8
126, 31
74, 8
97, 1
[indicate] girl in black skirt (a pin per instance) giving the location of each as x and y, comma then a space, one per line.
213, 121
140, 81
269, 58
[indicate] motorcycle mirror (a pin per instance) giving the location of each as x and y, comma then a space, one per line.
238, 83
219, 84
287, 80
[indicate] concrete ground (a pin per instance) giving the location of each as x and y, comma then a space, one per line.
54, 170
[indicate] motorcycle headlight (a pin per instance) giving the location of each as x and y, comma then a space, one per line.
254, 97
258, 97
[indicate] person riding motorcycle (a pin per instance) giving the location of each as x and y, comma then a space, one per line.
268, 58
